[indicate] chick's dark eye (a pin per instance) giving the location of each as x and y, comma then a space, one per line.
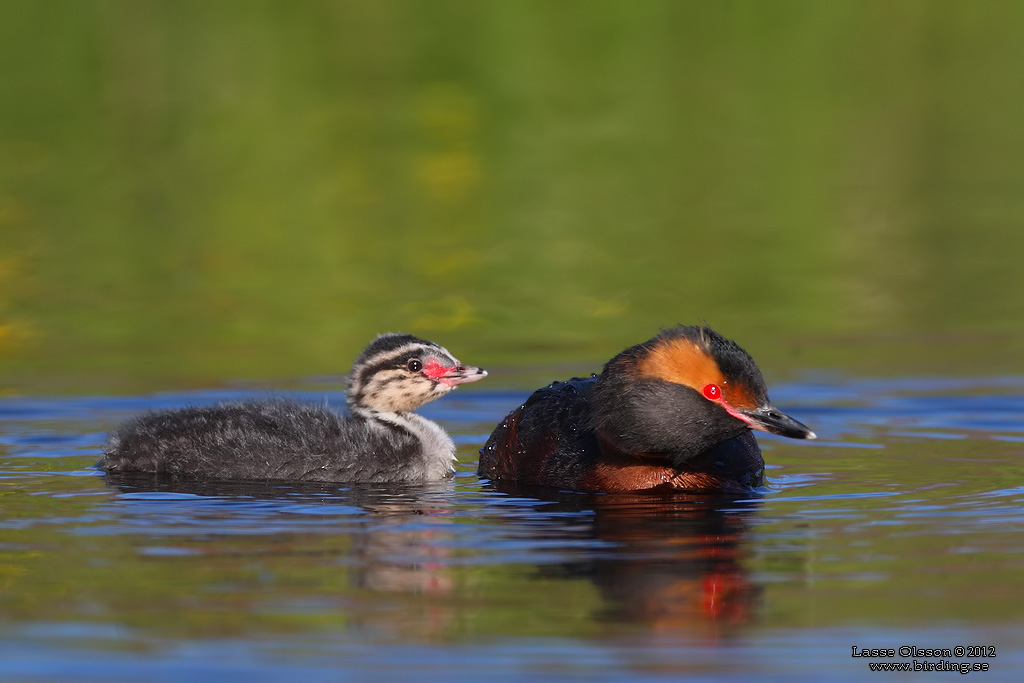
414, 365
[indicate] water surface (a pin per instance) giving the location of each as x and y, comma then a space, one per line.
902, 525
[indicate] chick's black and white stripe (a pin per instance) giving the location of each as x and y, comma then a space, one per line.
381, 441
380, 380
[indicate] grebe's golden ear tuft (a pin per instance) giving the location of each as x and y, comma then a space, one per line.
689, 362
681, 361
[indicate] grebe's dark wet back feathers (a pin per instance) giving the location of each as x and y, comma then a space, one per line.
381, 440
674, 412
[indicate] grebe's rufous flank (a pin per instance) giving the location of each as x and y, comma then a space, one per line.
673, 413
381, 440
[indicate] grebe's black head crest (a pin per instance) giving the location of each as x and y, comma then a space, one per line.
683, 391
722, 372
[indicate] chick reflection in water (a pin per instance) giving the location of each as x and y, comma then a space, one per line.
375, 559
401, 559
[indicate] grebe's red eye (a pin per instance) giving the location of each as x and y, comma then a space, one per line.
712, 392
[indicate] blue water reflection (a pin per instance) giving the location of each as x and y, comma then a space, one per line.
908, 515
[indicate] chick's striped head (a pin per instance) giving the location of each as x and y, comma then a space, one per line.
397, 373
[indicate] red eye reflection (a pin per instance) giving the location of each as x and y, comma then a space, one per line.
712, 392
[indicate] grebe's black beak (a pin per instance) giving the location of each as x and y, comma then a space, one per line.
771, 419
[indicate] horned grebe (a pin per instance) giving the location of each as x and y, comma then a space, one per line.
673, 413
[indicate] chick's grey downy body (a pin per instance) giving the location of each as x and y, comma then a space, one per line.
380, 441
282, 440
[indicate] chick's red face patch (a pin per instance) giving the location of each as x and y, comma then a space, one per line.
435, 370
448, 375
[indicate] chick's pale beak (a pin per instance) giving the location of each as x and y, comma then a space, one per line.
462, 374
771, 419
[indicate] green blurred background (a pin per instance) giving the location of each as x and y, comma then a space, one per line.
200, 191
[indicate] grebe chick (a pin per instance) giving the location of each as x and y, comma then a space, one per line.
672, 413
381, 440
